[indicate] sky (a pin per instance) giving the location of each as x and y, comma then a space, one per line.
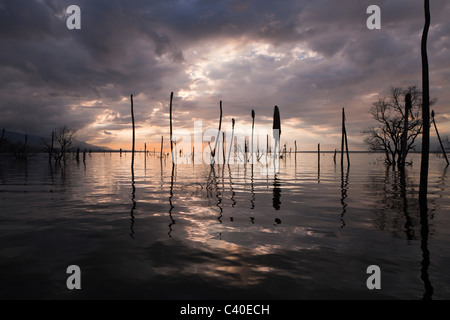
310, 58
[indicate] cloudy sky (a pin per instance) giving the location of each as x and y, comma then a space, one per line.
311, 58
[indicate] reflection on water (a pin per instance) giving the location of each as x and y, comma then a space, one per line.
228, 242
344, 188
425, 232
172, 221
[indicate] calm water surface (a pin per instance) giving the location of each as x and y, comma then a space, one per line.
234, 232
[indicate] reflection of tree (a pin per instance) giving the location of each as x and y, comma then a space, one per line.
397, 208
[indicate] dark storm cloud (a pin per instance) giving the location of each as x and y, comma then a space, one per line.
309, 57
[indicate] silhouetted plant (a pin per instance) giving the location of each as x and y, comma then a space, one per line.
386, 135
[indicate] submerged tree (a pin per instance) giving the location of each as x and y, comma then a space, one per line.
389, 112
64, 138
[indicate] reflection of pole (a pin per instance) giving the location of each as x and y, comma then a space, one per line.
424, 232
133, 200
439, 137
172, 221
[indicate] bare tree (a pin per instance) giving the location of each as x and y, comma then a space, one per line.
389, 112
64, 138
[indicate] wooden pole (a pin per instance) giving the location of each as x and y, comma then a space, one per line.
84, 155
334, 158
162, 144
408, 106
439, 137
223, 147
423, 189
343, 138
134, 134
78, 155
346, 147
218, 132
232, 139
318, 154
171, 142
253, 128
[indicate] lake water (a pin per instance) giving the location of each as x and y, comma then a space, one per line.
190, 232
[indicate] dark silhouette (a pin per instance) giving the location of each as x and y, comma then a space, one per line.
424, 233
65, 138
404, 143
253, 190
344, 189
389, 112
172, 221
423, 189
232, 139
253, 129
233, 193
439, 137
409, 230
276, 135
344, 140
171, 138
295, 156
276, 193
133, 206
134, 134
213, 154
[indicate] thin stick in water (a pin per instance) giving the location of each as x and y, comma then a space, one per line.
439, 137
134, 134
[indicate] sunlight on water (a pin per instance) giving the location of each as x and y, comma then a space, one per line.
196, 231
